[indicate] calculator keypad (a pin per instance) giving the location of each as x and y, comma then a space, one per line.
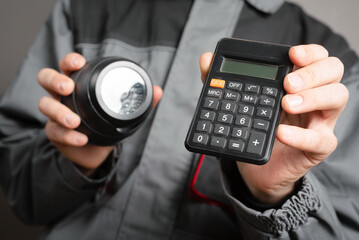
207, 115
211, 103
236, 116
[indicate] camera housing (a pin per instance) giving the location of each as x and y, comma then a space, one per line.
112, 96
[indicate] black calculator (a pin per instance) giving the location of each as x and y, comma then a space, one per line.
239, 108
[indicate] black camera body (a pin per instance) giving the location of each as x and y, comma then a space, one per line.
112, 96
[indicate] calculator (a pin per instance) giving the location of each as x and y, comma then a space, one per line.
239, 108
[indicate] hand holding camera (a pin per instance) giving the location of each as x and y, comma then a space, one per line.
63, 122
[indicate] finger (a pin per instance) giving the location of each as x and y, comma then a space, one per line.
55, 83
157, 95
304, 55
61, 135
324, 71
204, 64
319, 143
327, 97
72, 62
94, 155
59, 113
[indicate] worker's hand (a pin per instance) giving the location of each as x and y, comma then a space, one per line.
315, 99
62, 121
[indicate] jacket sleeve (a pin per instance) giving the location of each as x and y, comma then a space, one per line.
31, 168
326, 202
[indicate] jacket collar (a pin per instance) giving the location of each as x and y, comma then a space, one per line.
266, 6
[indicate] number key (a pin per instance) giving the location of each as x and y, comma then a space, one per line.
207, 115
221, 130
225, 118
211, 103
228, 106
204, 126
245, 109
240, 133
200, 138
243, 121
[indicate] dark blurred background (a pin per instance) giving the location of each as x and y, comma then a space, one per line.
20, 21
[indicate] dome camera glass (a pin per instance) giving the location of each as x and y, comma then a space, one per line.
122, 90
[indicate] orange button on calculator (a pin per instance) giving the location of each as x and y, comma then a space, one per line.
217, 83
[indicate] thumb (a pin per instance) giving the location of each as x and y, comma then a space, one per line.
157, 95
205, 63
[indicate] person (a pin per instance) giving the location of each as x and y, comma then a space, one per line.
149, 186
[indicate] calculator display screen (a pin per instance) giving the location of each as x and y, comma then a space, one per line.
250, 69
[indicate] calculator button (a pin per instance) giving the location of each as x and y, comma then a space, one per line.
207, 115
270, 91
235, 86
217, 83
211, 103
217, 93
240, 133
204, 126
243, 121
221, 129
251, 88
249, 98
225, 118
218, 142
228, 106
200, 138
231, 96
266, 101
261, 124
245, 109
236, 145
264, 112
256, 143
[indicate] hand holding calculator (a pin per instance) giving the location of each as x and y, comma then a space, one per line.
239, 107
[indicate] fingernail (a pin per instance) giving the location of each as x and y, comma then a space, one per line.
299, 51
75, 62
294, 100
63, 86
69, 119
80, 139
295, 81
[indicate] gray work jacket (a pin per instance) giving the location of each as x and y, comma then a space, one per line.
151, 187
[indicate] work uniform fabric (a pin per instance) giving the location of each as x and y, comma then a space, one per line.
142, 191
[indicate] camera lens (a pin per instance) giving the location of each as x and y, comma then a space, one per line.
112, 96
121, 90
